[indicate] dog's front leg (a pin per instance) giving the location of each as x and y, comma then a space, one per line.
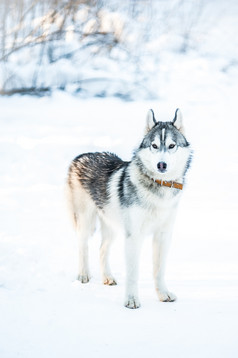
161, 244
132, 247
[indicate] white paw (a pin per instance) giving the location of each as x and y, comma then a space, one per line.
110, 281
166, 296
83, 278
132, 302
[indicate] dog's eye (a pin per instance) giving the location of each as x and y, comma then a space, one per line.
171, 146
154, 146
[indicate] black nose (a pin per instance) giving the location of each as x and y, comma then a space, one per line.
162, 166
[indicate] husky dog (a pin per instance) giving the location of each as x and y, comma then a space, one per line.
141, 196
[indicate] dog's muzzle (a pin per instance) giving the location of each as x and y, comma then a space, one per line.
162, 166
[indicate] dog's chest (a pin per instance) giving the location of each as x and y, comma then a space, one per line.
158, 212
161, 199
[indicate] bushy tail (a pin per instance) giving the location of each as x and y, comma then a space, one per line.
70, 205
81, 210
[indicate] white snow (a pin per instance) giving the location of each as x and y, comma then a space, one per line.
44, 311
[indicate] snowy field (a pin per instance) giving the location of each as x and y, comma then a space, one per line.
44, 311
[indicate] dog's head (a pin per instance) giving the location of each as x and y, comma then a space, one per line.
164, 151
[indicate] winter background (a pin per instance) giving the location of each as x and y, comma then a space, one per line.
79, 76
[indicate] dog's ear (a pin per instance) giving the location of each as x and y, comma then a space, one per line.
150, 120
178, 120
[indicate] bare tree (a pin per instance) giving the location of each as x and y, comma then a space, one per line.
45, 32
37, 23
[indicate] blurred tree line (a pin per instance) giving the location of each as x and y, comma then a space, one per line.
37, 34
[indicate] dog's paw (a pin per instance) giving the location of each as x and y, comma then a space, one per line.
132, 302
166, 296
110, 281
83, 278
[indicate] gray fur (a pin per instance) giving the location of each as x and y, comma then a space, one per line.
127, 191
177, 136
93, 171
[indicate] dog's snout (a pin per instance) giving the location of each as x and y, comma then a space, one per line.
162, 166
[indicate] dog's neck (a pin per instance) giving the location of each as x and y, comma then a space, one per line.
176, 183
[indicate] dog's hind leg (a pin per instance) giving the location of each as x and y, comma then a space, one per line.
85, 223
83, 214
107, 238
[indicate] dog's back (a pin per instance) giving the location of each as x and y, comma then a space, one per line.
92, 171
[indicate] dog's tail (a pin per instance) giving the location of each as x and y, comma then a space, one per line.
82, 210
70, 204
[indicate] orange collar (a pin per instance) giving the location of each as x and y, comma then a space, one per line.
170, 184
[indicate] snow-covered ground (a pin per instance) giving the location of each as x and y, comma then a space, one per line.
44, 311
